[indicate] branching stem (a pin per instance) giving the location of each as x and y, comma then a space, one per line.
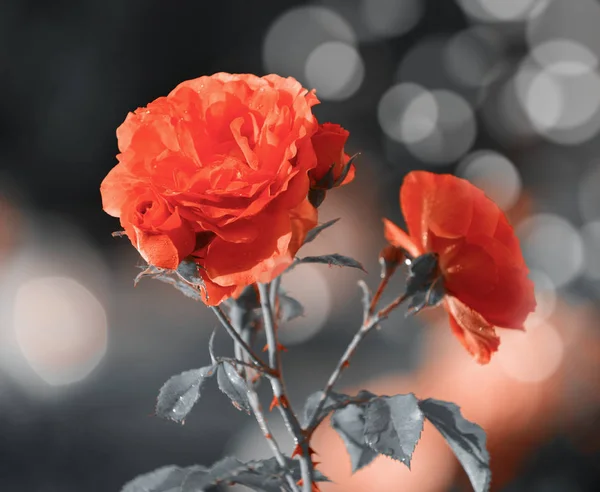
371, 321
257, 364
283, 404
382, 285
237, 338
264, 427
267, 371
273, 371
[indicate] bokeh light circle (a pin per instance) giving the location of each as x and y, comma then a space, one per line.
561, 101
510, 10
565, 57
589, 197
564, 41
575, 21
335, 69
494, 174
376, 20
545, 295
248, 443
501, 10
296, 33
542, 100
443, 63
551, 244
475, 57
504, 116
390, 18
454, 133
53, 324
407, 113
61, 328
531, 356
307, 285
590, 234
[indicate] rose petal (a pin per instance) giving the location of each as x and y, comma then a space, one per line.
303, 219
165, 249
475, 333
441, 203
469, 272
261, 260
486, 215
214, 294
511, 299
509, 305
116, 189
397, 237
351, 172
505, 234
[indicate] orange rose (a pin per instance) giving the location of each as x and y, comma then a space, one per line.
480, 265
218, 171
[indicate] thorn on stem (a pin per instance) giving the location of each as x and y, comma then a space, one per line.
280, 347
315, 487
298, 451
280, 401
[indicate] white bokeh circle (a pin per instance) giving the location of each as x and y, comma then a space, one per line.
561, 100
494, 174
335, 69
297, 32
454, 132
553, 245
560, 21
407, 113
588, 196
502, 10
475, 57
590, 234
60, 327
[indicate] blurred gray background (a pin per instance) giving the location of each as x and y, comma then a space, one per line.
505, 93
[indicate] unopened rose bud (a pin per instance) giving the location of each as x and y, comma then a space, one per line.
389, 259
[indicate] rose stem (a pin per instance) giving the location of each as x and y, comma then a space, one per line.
294, 427
262, 423
240, 354
222, 317
238, 350
253, 396
274, 291
239, 362
377, 296
371, 321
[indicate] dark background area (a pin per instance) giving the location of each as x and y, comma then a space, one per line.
76, 409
